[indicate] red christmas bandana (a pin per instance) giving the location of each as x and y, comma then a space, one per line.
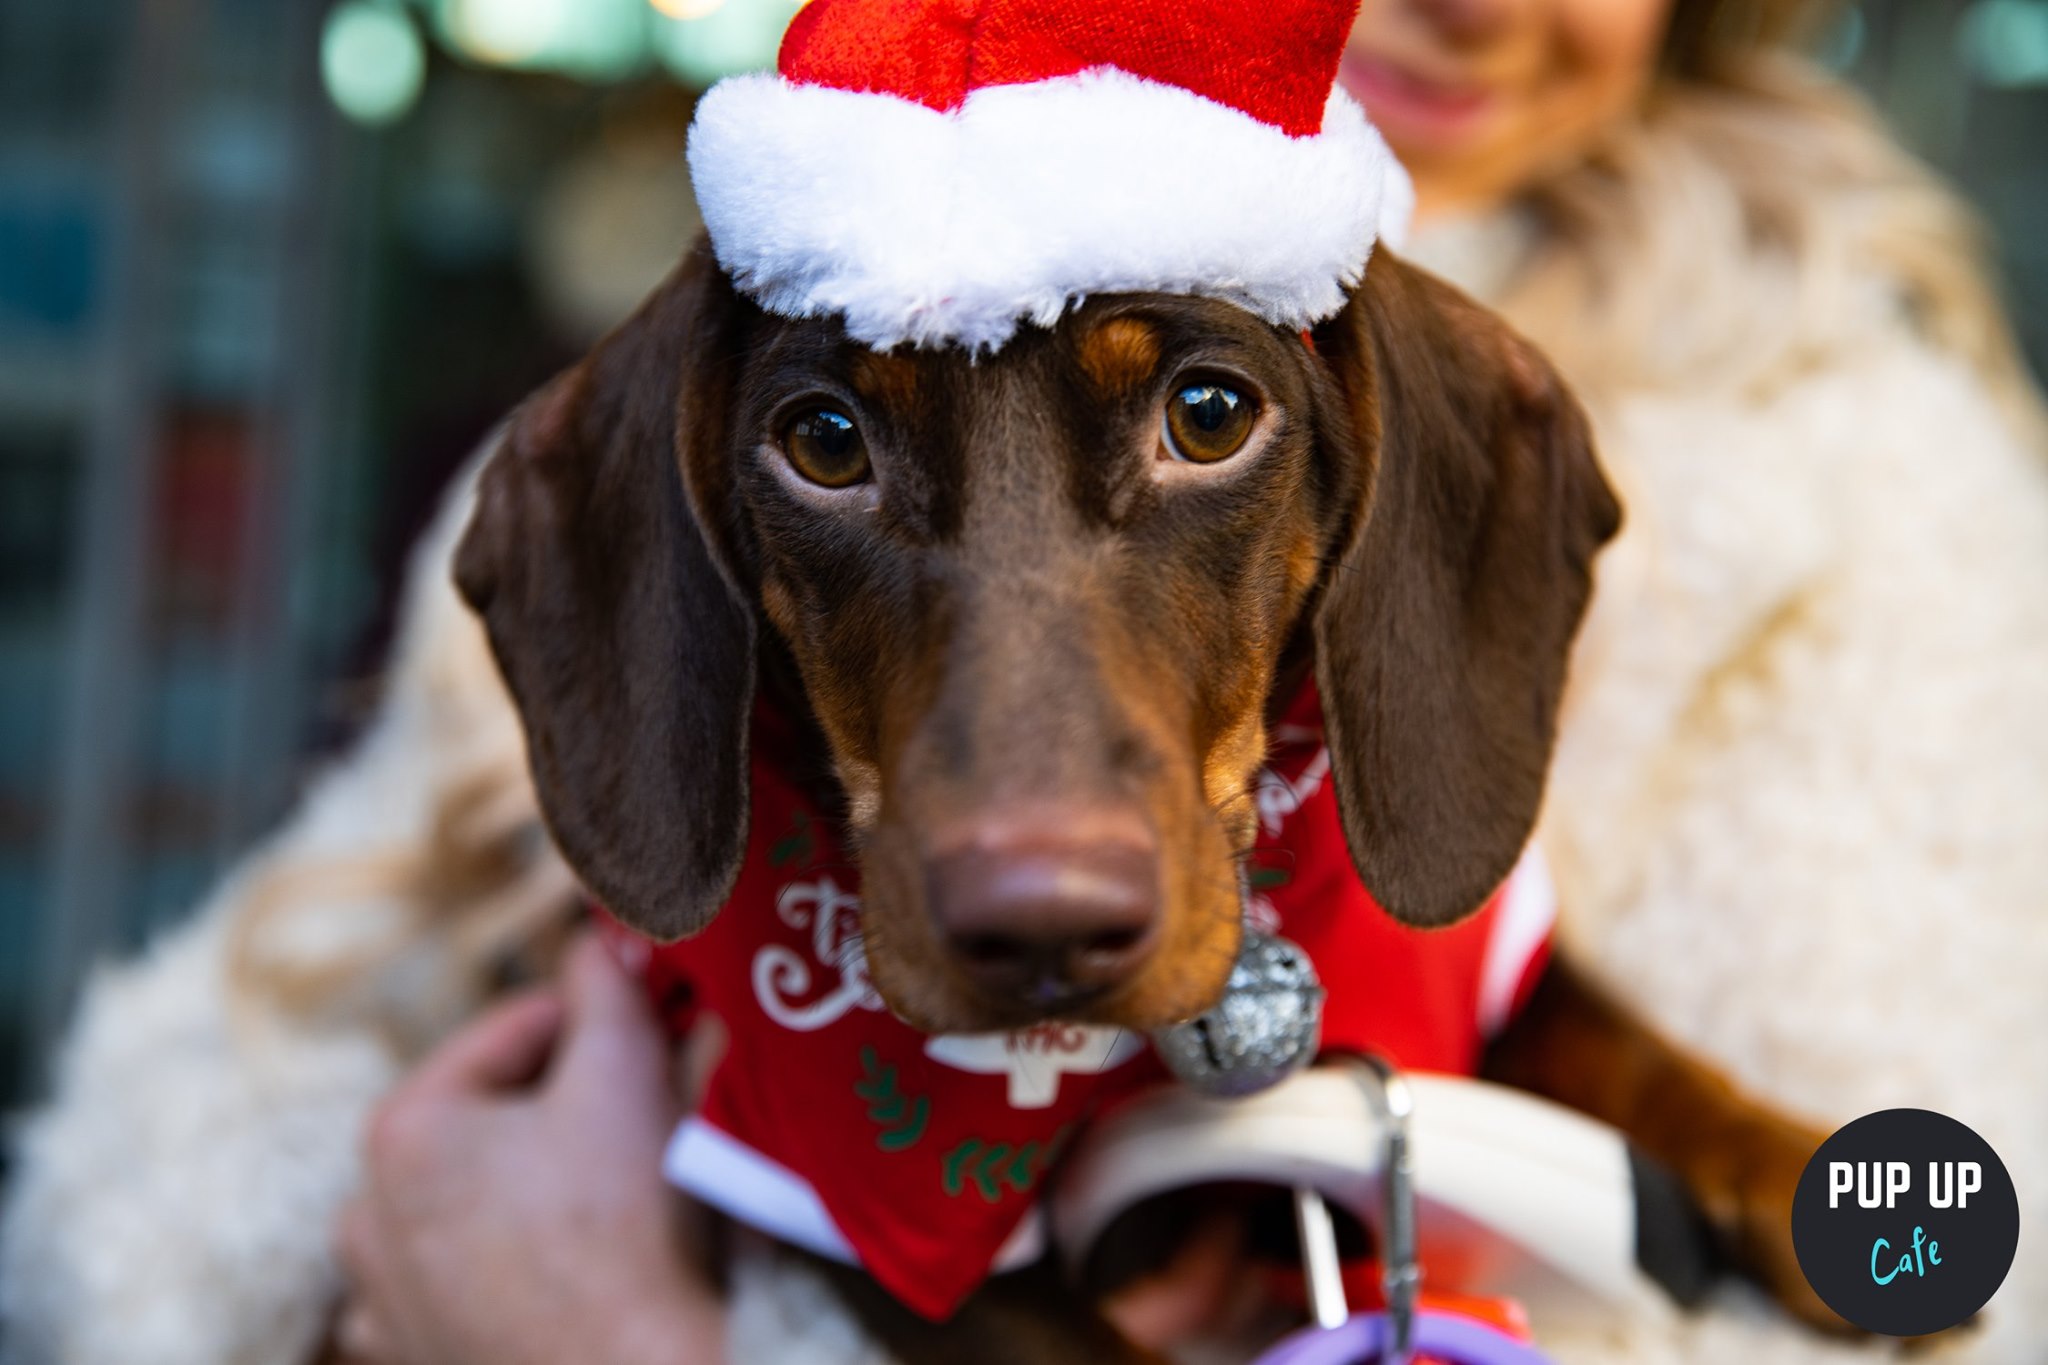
833, 1126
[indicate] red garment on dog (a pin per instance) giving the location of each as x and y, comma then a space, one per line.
834, 1126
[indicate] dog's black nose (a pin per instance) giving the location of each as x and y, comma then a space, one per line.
1047, 923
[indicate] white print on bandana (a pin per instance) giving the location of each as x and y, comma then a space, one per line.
1278, 798
781, 976
1035, 1058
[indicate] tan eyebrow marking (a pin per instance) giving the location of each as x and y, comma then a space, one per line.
1120, 353
890, 380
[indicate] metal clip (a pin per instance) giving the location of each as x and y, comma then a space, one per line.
1393, 1103
1400, 1272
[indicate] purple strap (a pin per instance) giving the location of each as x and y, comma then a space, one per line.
1459, 1341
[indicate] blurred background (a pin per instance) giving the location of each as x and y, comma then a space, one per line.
268, 271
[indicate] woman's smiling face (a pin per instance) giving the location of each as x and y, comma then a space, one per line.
1478, 97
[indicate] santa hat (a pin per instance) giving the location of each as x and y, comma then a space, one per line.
938, 171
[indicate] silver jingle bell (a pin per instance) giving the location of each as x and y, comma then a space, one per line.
1267, 1026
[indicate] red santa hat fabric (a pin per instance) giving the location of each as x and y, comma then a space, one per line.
940, 171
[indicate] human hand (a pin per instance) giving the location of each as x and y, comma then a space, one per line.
513, 1207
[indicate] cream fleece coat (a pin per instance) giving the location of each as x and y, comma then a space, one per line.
1799, 818
1799, 811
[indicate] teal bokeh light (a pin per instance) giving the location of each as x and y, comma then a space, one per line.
2004, 43
739, 35
592, 40
372, 61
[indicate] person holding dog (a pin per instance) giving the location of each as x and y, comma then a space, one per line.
1799, 756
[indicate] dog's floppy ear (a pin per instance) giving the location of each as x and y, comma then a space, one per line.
629, 652
1442, 633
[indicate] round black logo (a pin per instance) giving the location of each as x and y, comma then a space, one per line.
1905, 1222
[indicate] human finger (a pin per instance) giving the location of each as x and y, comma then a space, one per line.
505, 1048
610, 1037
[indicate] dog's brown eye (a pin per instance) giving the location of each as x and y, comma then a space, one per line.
1207, 422
826, 448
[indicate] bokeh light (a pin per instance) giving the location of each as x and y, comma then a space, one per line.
2004, 43
1843, 44
595, 40
604, 41
372, 61
729, 36
507, 32
688, 9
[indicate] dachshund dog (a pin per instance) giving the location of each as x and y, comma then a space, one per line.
1037, 611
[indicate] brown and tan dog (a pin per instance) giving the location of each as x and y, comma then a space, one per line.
1038, 608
